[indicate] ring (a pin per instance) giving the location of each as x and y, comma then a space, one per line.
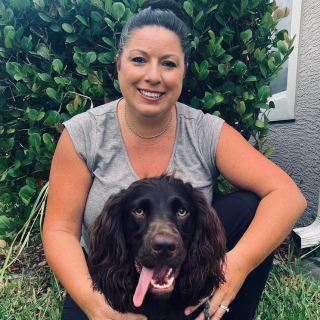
224, 308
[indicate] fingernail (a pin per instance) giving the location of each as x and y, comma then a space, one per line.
188, 311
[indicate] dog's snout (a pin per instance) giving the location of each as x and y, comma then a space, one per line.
164, 245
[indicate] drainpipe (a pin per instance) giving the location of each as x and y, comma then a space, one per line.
308, 236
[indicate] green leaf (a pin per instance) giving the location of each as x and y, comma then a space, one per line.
257, 54
43, 51
282, 47
109, 22
274, 77
208, 101
57, 65
44, 77
219, 98
222, 69
268, 151
271, 105
82, 20
117, 10
49, 122
242, 108
250, 79
259, 124
5, 197
225, 58
263, 70
228, 87
35, 140
44, 17
277, 57
96, 16
187, 6
55, 28
241, 68
271, 65
198, 17
3, 164
26, 193
4, 222
19, 221
11, 34
26, 44
85, 86
262, 105
108, 6
31, 182
47, 139
108, 41
246, 35
7, 42
72, 38
212, 8
94, 78
220, 19
264, 92
194, 103
90, 57
116, 85
68, 27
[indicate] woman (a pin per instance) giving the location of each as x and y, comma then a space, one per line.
143, 135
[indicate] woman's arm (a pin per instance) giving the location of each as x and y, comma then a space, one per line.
281, 206
282, 202
70, 182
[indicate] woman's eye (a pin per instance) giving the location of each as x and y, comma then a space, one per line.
182, 212
138, 60
170, 64
138, 212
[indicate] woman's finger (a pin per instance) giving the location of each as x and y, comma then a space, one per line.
189, 310
218, 314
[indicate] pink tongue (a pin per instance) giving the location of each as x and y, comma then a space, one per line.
143, 285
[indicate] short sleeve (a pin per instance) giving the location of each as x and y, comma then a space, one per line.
208, 132
82, 130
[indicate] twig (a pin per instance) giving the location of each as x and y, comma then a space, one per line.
12, 94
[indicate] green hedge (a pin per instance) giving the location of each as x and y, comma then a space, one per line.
58, 60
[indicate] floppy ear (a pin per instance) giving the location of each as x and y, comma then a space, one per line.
110, 264
203, 267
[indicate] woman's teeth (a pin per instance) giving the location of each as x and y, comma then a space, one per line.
150, 94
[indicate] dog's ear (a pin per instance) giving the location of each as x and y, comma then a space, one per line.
109, 262
202, 270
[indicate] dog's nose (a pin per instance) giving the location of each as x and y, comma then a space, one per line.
164, 245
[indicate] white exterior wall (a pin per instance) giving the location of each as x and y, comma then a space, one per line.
297, 143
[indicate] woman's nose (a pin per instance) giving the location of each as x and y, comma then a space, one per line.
153, 75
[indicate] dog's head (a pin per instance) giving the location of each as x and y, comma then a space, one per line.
159, 235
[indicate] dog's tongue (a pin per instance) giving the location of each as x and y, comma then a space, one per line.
143, 285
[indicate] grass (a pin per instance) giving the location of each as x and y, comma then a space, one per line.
22, 299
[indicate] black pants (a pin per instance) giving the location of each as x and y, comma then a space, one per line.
236, 212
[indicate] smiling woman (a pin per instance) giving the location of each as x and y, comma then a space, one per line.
143, 135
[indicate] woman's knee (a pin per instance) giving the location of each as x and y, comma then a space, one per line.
236, 211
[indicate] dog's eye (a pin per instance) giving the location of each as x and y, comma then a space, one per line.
182, 212
138, 212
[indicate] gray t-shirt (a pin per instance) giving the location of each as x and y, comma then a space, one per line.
97, 138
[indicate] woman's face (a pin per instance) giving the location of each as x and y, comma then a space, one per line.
151, 71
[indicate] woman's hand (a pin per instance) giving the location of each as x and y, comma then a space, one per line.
104, 312
236, 271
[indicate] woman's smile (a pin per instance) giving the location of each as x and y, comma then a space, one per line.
151, 73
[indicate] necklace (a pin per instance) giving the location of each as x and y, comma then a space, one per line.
144, 137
